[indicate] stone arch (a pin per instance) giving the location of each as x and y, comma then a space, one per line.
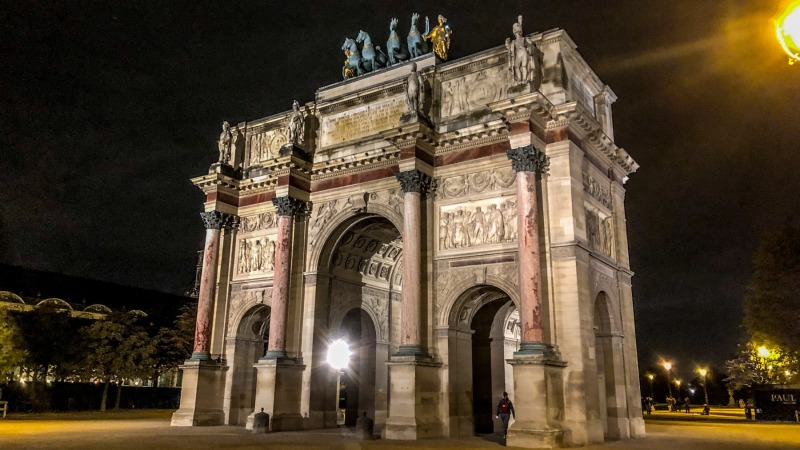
244, 346
458, 297
242, 303
605, 308
608, 343
10, 297
97, 308
330, 232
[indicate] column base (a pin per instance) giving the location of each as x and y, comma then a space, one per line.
278, 385
201, 395
414, 388
539, 391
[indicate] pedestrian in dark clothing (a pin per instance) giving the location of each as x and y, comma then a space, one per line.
505, 410
686, 404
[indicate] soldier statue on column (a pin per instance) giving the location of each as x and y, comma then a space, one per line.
297, 124
521, 54
225, 142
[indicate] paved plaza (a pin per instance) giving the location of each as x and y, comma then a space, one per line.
724, 429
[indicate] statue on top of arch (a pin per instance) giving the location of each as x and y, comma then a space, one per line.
521, 55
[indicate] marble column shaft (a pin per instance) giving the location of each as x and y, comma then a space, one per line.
415, 185
528, 164
286, 207
213, 221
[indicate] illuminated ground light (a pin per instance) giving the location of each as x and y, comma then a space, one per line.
787, 29
339, 354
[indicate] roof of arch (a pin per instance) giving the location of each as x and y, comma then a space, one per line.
10, 297
97, 308
55, 302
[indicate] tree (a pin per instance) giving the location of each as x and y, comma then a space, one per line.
759, 365
772, 304
46, 334
174, 344
117, 348
11, 355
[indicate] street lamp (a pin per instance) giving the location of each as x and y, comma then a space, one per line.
650, 377
703, 373
787, 30
338, 358
667, 366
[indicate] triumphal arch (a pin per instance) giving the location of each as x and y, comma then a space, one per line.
460, 224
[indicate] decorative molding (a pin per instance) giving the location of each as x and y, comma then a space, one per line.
475, 183
259, 222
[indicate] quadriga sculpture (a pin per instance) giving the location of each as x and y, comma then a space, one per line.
353, 62
394, 46
416, 44
371, 56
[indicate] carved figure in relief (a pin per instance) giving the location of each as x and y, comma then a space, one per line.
415, 90
521, 52
496, 229
264, 146
225, 140
269, 256
254, 256
297, 124
478, 226
394, 46
242, 266
396, 200
510, 219
416, 45
439, 37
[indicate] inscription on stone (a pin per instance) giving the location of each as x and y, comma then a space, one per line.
360, 122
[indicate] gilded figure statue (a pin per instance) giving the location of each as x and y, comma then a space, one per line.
296, 127
521, 53
439, 37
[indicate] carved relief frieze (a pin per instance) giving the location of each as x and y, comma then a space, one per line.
474, 91
266, 145
259, 222
600, 232
597, 190
491, 221
475, 183
256, 255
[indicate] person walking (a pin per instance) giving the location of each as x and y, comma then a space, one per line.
505, 410
686, 405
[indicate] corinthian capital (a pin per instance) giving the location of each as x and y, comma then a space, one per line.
216, 220
414, 181
528, 159
288, 206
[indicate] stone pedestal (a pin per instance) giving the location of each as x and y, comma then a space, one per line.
201, 394
538, 401
278, 385
414, 394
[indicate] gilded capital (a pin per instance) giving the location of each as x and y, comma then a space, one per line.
288, 206
414, 181
528, 159
216, 220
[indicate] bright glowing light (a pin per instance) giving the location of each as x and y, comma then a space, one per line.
667, 365
651, 376
787, 373
339, 354
677, 382
691, 390
787, 29
703, 372
763, 351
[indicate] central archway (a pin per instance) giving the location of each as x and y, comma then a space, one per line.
243, 350
358, 299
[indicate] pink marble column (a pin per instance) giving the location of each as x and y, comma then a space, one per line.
529, 164
213, 221
287, 207
415, 185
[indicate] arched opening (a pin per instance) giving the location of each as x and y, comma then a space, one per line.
359, 300
487, 317
244, 349
604, 357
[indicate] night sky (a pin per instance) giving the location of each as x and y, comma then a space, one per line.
108, 108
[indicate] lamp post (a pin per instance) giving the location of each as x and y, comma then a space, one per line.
703, 373
338, 358
650, 377
668, 366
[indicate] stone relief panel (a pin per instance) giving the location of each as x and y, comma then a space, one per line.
259, 222
512, 328
600, 232
490, 221
324, 212
256, 255
474, 91
360, 122
241, 301
475, 183
391, 197
266, 145
597, 190
367, 257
